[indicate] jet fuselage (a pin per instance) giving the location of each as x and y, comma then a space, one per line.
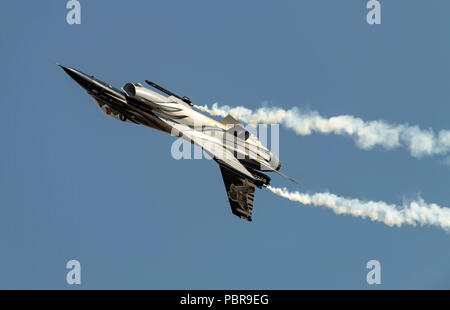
140, 105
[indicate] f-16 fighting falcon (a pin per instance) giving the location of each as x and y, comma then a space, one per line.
240, 155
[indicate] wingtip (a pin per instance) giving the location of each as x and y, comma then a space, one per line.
286, 177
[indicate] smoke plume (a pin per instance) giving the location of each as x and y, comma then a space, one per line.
366, 134
416, 212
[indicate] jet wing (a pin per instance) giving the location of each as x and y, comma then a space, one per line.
239, 182
216, 149
240, 193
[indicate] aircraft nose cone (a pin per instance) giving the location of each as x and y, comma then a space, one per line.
81, 78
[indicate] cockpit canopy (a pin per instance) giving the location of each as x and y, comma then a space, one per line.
139, 92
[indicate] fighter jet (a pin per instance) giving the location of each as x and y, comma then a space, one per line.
240, 155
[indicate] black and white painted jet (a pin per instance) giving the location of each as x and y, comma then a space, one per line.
240, 155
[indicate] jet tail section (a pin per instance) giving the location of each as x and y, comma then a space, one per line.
235, 128
238, 131
230, 120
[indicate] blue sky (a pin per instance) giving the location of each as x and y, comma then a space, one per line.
75, 184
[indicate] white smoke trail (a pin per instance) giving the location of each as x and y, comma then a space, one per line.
414, 213
366, 134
